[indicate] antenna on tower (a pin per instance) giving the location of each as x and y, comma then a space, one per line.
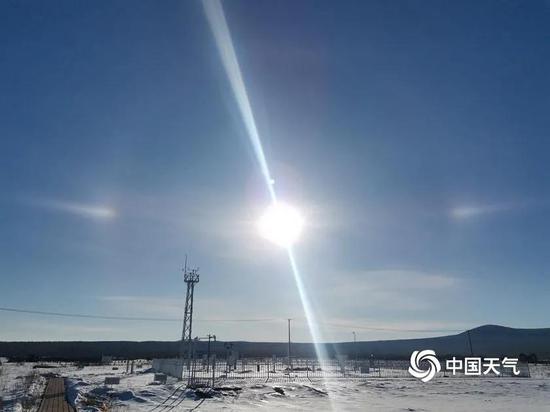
185, 267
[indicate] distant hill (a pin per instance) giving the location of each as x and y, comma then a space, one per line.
488, 340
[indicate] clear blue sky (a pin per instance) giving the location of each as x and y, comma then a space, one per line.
412, 134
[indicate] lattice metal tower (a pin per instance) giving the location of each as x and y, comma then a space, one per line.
186, 350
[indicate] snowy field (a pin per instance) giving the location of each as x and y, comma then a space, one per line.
138, 392
21, 386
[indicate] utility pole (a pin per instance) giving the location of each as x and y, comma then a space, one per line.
355, 350
209, 336
470, 342
228, 350
289, 358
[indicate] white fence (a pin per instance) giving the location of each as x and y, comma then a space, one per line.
171, 367
277, 369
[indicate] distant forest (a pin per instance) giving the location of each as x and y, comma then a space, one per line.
486, 340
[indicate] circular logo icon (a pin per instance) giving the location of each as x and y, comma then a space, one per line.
425, 375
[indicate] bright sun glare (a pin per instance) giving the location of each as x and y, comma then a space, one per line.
282, 224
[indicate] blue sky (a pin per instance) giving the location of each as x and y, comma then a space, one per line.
413, 135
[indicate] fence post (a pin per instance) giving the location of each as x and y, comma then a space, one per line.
213, 369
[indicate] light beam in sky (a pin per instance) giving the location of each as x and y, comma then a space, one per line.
218, 24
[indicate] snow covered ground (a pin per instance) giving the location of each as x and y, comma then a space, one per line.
21, 386
137, 392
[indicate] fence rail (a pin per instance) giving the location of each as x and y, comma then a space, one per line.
216, 372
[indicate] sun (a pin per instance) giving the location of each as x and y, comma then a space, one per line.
281, 224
